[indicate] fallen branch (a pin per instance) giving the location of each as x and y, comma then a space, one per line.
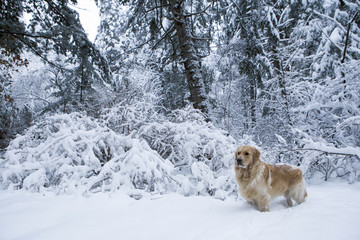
319, 150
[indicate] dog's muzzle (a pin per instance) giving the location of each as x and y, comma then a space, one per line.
239, 162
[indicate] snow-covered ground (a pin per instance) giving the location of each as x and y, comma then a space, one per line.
332, 211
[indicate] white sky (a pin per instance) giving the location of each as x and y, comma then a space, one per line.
89, 17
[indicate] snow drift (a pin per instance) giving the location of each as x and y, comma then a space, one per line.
331, 212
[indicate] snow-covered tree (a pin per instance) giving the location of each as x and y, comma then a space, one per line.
51, 30
170, 30
323, 94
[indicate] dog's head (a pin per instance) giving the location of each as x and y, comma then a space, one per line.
246, 155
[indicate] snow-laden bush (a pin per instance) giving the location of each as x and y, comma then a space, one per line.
201, 153
70, 152
74, 153
129, 115
185, 138
321, 159
329, 161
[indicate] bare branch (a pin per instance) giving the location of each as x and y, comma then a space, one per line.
36, 52
236, 6
197, 13
169, 31
156, 7
26, 34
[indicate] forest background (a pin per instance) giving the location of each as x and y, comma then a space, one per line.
168, 89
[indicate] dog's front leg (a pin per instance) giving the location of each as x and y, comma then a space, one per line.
252, 202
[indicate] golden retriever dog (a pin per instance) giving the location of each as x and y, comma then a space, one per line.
260, 182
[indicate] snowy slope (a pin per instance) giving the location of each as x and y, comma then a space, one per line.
331, 212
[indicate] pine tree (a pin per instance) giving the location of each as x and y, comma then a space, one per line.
54, 29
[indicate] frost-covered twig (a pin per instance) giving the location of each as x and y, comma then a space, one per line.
322, 151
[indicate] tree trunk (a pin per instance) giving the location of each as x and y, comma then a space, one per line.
253, 97
190, 59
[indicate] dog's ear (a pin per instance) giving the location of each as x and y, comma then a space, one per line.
237, 150
256, 154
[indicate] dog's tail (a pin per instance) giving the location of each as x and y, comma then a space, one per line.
298, 191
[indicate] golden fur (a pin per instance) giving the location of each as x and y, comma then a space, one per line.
260, 182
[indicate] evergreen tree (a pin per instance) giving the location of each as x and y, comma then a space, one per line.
12, 120
54, 29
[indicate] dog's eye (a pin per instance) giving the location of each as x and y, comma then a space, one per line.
246, 153
239, 153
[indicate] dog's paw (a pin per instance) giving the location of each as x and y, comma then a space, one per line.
265, 208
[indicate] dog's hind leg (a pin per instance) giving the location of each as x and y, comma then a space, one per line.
288, 198
264, 203
251, 202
